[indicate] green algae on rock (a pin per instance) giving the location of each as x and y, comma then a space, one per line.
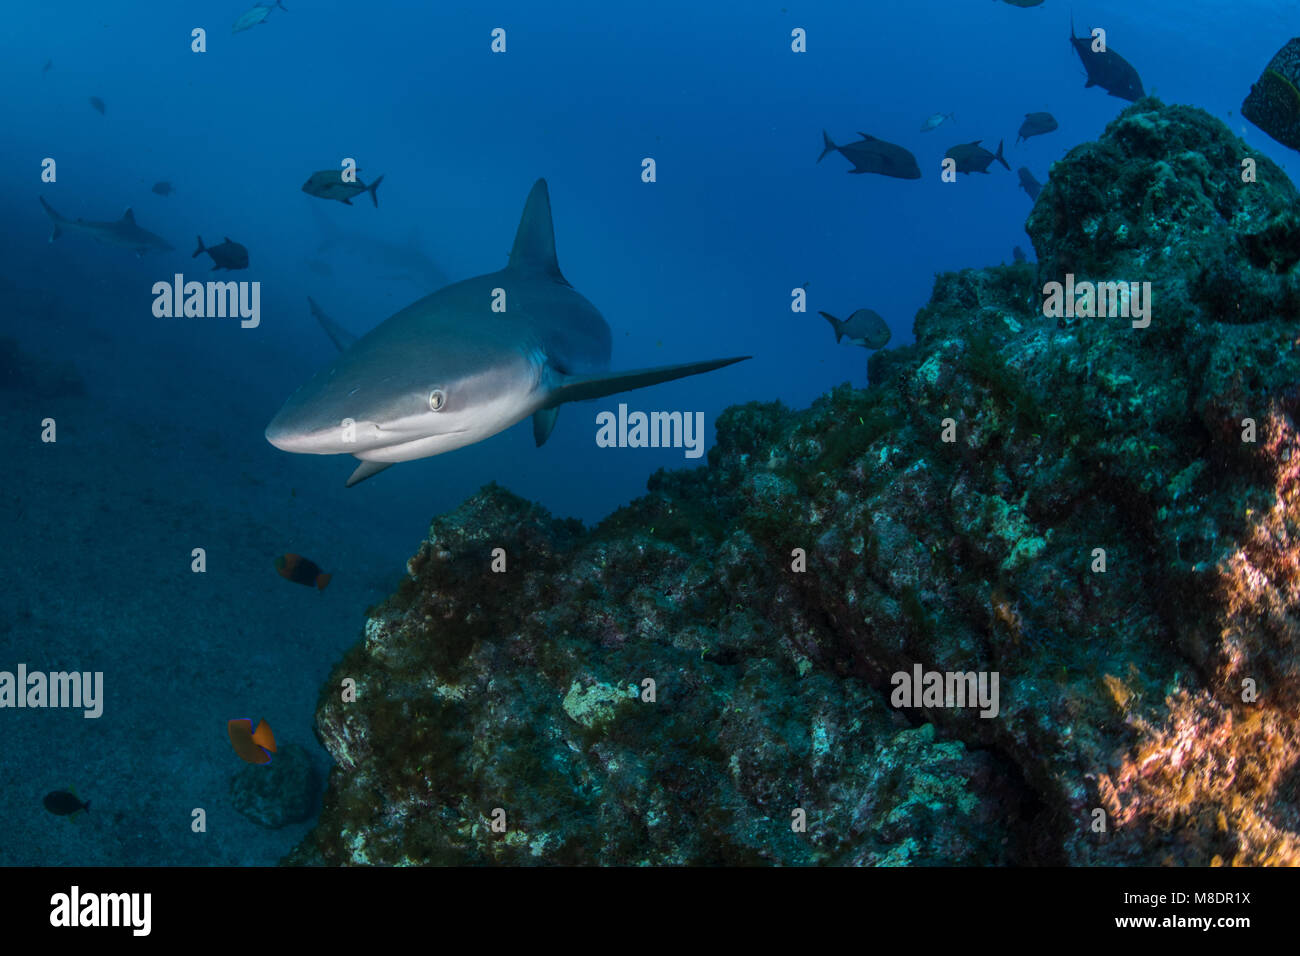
538, 718
1099, 534
284, 791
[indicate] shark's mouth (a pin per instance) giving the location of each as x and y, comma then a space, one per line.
416, 447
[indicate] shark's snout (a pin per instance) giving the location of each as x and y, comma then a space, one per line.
284, 437
290, 430
305, 431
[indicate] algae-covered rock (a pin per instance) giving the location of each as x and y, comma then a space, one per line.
287, 790
623, 715
1102, 512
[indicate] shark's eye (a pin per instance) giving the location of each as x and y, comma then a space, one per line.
437, 399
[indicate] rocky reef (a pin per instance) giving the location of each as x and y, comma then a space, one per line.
1102, 514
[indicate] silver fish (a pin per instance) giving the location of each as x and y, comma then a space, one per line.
937, 120
252, 17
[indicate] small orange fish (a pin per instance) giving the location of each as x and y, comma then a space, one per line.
300, 570
252, 746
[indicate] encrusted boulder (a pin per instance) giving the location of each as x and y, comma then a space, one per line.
287, 790
1100, 509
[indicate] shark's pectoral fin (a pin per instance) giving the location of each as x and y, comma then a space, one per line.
55, 217
543, 424
365, 470
340, 336
577, 388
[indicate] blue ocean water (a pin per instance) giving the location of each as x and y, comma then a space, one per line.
165, 451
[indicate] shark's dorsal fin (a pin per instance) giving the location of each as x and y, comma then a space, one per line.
128, 216
366, 469
534, 248
544, 424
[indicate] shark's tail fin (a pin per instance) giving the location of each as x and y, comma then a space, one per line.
577, 388
999, 157
49, 211
828, 145
200, 249
835, 324
374, 196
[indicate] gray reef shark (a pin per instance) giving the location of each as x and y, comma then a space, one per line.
124, 232
448, 371
376, 257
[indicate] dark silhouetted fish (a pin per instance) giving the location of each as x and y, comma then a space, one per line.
98, 104
1109, 70
1028, 183
871, 155
227, 255
299, 570
936, 120
974, 158
163, 188
329, 184
864, 327
1273, 103
1036, 124
64, 803
49, 65
828, 146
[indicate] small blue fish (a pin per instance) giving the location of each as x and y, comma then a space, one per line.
251, 18
937, 120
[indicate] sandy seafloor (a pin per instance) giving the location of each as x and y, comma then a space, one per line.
98, 530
